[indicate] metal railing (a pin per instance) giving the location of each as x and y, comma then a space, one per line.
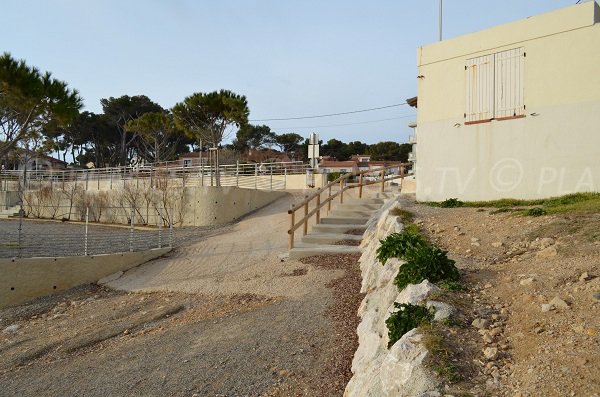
76, 231
365, 178
272, 176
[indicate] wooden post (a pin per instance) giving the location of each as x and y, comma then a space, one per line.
305, 229
342, 191
329, 201
319, 208
382, 180
291, 232
360, 185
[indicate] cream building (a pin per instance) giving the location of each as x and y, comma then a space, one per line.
512, 111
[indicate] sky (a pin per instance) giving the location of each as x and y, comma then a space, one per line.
290, 58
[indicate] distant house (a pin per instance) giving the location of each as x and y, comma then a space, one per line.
343, 167
193, 159
512, 111
21, 159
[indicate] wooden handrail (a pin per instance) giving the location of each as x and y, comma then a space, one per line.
321, 203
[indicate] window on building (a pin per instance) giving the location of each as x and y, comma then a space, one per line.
187, 162
495, 86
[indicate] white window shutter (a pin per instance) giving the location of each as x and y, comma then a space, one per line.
508, 101
480, 88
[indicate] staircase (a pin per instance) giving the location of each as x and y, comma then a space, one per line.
10, 212
346, 223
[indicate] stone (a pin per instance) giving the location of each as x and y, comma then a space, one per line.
546, 307
547, 253
497, 244
527, 281
110, 278
416, 293
491, 353
443, 310
542, 243
11, 329
474, 240
403, 372
487, 338
597, 296
480, 323
559, 303
476, 244
584, 277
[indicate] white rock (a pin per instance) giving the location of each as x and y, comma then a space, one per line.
475, 244
443, 310
480, 323
497, 244
584, 276
546, 307
474, 240
547, 253
416, 293
491, 353
403, 372
110, 278
527, 281
559, 303
11, 329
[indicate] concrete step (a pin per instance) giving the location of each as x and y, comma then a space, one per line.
337, 220
329, 238
305, 251
354, 201
359, 207
342, 212
336, 229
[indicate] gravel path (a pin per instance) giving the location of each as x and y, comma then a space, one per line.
223, 316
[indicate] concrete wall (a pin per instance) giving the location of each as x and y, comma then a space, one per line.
554, 150
215, 206
25, 279
8, 199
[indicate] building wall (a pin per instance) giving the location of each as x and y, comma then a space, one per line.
554, 150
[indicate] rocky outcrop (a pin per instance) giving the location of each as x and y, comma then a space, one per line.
378, 371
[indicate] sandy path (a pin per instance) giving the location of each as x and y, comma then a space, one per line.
244, 259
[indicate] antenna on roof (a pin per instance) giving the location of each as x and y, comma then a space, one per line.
440, 20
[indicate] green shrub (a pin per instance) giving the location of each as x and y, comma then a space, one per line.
536, 211
397, 245
405, 319
332, 176
426, 263
451, 203
405, 216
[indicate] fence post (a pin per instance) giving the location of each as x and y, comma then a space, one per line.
360, 185
305, 229
271, 177
19, 245
329, 200
237, 173
291, 232
110, 173
87, 218
319, 207
342, 191
284, 178
131, 230
160, 222
171, 242
255, 176
382, 180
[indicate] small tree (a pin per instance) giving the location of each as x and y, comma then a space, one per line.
206, 117
31, 103
157, 134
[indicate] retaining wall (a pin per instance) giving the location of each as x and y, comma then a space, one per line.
28, 278
378, 371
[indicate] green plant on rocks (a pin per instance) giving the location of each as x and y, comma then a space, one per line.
397, 245
451, 203
406, 318
536, 211
426, 263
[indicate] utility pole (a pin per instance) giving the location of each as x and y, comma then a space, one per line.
440, 22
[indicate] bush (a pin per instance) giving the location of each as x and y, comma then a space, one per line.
397, 245
451, 203
405, 319
537, 211
426, 263
332, 176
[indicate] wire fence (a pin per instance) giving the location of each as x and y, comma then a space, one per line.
269, 176
27, 237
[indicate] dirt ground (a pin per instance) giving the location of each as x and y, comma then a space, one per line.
533, 286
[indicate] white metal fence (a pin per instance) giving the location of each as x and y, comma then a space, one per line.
271, 176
